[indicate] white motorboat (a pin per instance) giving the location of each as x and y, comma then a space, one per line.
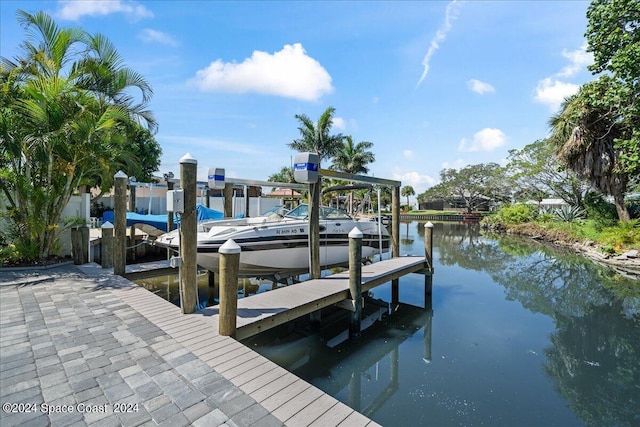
277, 244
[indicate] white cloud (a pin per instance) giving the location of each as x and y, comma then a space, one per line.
487, 139
552, 92
150, 36
419, 182
578, 59
289, 72
339, 123
480, 87
74, 10
450, 14
407, 154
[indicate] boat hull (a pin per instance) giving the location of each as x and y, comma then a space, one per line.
284, 261
281, 248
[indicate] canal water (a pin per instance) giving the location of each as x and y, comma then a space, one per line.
514, 334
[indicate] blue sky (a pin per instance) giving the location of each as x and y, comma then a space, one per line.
432, 84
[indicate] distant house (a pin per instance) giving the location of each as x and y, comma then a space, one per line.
548, 203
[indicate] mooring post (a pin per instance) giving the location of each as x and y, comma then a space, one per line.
395, 243
214, 290
188, 235
120, 223
106, 245
355, 280
428, 255
229, 266
169, 213
228, 200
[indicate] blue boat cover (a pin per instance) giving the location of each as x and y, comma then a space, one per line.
160, 221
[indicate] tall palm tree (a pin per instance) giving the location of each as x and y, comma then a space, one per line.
316, 138
353, 158
407, 191
585, 134
69, 105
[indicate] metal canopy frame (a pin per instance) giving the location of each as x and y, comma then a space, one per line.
358, 178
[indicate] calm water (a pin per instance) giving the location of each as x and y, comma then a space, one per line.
518, 335
515, 334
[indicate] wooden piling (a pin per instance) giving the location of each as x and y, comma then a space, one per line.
106, 245
314, 229
228, 200
355, 281
120, 223
428, 255
169, 213
395, 243
84, 242
188, 235
214, 290
229, 266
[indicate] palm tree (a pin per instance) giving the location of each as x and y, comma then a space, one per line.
353, 158
407, 191
285, 174
69, 105
585, 134
316, 138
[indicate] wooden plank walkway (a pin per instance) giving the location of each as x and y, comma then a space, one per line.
267, 310
287, 397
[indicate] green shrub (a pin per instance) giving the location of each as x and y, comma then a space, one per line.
516, 214
568, 213
602, 213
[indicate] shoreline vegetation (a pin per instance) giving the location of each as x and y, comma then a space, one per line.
614, 246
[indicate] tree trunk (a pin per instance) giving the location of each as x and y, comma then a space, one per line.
623, 213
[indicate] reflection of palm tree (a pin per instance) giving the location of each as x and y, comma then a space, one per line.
407, 240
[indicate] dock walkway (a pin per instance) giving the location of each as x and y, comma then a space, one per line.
269, 309
87, 341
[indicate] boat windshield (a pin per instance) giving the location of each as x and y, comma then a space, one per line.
302, 212
278, 210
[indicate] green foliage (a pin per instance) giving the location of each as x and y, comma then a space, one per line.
516, 214
473, 185
353, 158
317, 137
568, 213
68, 117
537, 173
598, 130
602, 213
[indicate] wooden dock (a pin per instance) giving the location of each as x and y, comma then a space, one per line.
148, 269
267, 310
287, 397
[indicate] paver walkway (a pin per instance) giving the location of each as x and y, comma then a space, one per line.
71, 347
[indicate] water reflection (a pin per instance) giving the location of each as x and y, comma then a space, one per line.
594, 358
363, 373
522, 335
